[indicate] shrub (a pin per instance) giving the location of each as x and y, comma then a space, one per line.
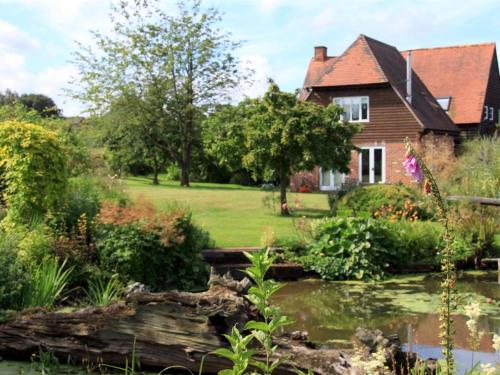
13, 275
383, 200
158, 249
365, 248
34, 170
350, 248
36, 244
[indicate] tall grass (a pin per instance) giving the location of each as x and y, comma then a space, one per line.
102, 294
46, 284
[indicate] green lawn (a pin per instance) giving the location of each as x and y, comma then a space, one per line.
234, 215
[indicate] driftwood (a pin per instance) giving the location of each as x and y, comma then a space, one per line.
172, 328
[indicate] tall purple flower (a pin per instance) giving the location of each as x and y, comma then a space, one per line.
412, 167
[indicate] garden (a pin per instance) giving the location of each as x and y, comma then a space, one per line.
104, 220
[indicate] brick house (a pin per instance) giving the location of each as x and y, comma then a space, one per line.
432, 96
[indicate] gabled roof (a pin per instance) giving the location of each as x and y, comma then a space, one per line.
461, 72
368, 61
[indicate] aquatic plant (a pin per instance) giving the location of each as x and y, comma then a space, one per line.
415, 166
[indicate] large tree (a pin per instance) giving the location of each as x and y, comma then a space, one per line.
283, 135
177, 66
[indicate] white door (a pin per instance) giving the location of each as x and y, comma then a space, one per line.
372, 165
330, 180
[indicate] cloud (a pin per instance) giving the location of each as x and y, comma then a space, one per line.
12, 39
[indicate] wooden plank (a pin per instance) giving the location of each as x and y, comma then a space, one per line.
480, 200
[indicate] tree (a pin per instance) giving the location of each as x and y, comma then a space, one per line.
177, 66
8, 97
284, 135
44, 105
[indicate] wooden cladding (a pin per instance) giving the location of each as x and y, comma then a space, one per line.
389, 118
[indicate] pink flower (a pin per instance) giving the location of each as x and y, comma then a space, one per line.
412, 167
284, 207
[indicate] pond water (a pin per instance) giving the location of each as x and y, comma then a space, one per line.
331, 311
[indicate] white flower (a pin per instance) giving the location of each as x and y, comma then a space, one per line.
487, 369
471, 325
473, 310
496, 342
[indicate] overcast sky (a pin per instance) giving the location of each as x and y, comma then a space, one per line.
38, 36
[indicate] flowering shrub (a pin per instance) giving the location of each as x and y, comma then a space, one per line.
159, 249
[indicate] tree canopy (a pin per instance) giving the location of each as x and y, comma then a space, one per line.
173, 67
277, 135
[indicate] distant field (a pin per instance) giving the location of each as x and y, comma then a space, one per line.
234, 215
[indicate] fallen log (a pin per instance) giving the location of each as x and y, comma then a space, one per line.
169, 329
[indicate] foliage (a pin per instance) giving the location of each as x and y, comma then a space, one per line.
13, 275
33, 165
47, 283
44, 363
474, 229
166, 70
383, 200
476, 171
241, 355
101, 293
158, 249
43, 104
36, 243
350, 248
283, 135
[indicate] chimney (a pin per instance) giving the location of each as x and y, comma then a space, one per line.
408, 77
320, 53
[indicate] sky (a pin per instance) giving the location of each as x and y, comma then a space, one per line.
37, 37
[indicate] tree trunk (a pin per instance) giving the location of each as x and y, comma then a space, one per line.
169, 329
185, 166
283, 201
156, 171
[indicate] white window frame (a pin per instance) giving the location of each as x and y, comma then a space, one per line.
491, 113
352, 98
486, 112
335, 186
372, 164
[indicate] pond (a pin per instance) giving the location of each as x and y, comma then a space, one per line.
331, 311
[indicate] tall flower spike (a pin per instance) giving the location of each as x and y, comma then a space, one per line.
413, 168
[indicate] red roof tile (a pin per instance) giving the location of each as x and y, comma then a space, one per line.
461, 72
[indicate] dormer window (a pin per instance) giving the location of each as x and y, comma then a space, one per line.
356, 108
444, 102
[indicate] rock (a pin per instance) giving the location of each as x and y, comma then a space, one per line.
136, 288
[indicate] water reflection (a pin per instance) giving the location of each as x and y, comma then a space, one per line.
331, 311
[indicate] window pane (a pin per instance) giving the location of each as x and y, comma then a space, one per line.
364, 109
365, 166
378, 165
347, 111
325, 178
337, 179
355, 111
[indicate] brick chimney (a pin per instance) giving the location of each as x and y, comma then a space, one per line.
320, 53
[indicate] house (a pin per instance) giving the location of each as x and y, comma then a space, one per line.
433, 96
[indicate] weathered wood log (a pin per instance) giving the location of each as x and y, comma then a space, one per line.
172, 328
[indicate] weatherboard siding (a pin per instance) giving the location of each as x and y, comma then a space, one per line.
389, 118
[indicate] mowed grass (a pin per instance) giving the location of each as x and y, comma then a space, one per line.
234, 215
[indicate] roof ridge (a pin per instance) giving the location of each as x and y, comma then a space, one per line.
374, 55
450, 47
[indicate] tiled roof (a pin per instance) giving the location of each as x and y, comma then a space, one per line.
461, 72
368, 61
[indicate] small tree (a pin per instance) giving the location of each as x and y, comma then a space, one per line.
32, 169
284, 135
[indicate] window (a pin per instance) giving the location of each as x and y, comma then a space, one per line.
356, 108
491, 113
330, 180
444, 102
486, 112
